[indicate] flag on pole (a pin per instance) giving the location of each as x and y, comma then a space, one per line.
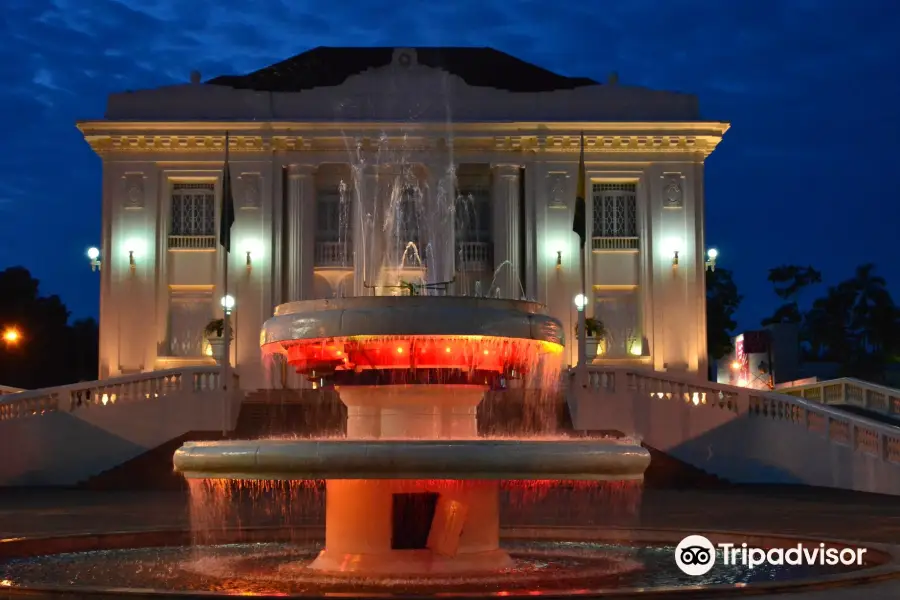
579, 222
227, 214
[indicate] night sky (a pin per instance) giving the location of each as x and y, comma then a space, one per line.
806, 175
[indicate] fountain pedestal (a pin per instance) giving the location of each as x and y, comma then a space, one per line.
360, 529
411, 411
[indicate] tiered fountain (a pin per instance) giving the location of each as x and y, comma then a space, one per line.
412, 490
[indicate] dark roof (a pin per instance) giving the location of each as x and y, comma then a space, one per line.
325, 67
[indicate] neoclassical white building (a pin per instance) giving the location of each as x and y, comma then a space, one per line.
315, 137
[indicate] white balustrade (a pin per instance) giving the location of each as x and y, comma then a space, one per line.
115, 390
809, 413
852, 392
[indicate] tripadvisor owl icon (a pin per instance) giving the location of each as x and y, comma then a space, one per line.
695, 555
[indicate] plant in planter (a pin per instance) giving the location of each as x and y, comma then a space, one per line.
596, 334
215, 337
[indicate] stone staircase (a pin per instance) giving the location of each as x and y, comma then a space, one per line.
738, 434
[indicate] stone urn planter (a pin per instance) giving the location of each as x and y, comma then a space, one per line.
215, 331
596, 333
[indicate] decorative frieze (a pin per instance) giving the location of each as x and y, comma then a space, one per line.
673, 190
133, 198
250, 190
464, 143
557, 189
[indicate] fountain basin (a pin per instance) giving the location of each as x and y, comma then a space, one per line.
471, 459
420, 339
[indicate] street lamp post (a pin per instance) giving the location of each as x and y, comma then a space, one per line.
580, 303
711, 255
93, 255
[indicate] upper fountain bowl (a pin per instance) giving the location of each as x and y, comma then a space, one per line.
424, 335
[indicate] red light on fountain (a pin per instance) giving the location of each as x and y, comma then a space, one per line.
422, 359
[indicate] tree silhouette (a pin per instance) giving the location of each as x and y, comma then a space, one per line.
789, 281
722, 300
50, 351
856, 324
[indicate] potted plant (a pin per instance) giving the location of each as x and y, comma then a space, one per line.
215, 337
596, 334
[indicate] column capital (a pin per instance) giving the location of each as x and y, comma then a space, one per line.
297, 170
506, 169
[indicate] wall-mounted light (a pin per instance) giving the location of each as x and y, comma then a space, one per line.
672, 249
93, 255
559, 259
136, 249
249, 261
711, 255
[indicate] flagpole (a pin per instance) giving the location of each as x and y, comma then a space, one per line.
226, 317
582, 235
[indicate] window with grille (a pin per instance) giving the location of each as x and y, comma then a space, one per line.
615, 216
473, 215
193, 219
332, 230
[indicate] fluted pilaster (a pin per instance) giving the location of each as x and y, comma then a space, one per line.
441, 223
505, 199
300, 241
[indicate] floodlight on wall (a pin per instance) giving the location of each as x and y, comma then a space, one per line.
135, 248
559, 259
93, 255
711, 255
672, 249
131, 264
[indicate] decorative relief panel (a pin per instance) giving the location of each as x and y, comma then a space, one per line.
134, 191
673, 190
251, 190
556, 189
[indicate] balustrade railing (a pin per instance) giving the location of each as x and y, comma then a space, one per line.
861, 434
192, 242
615, 243
474, 256
128, 388
852, 392
333, 254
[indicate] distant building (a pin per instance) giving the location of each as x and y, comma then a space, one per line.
323, 141
775, 357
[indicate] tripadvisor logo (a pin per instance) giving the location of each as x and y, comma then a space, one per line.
695, 555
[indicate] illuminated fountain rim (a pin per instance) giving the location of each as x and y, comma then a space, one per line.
475, 459
401, 316
885, 559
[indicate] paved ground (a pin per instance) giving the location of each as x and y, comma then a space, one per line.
816, 513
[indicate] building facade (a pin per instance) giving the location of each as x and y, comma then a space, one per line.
319, 142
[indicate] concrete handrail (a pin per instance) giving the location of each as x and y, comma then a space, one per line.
127, 387
861, 433
854, 392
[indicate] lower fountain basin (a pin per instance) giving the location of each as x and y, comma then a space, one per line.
474, 459
549, 561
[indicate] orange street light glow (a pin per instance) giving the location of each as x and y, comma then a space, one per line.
11, 335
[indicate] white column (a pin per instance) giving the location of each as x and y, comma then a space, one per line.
300, 242
505, 200
441, 222
362, 210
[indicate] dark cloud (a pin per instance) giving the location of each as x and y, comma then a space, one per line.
809, 85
